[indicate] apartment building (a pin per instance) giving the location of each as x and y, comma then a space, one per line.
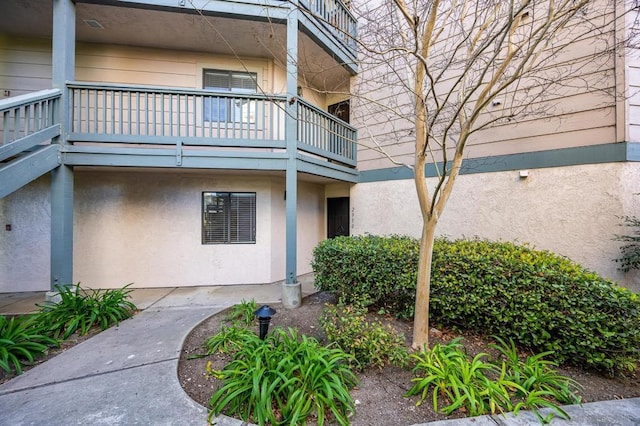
184, 143
172, 143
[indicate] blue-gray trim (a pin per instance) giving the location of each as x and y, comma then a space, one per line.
63, 70
171, 158
61, 227
27, 168
291, 135
325, 154
174, 140
265, 10
595, 154
633, 151
327, 169
27, 142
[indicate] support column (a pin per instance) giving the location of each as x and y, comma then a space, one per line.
291, 291
63, 51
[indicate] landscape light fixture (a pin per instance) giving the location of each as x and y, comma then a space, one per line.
264, 314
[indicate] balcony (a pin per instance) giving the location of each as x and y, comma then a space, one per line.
122, 125
153, 117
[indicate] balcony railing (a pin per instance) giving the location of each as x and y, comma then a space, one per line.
167, 116
336, 17
28, 120
154, 115
323, 134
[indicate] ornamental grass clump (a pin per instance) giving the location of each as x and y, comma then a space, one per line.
284, 380
22, 340
243, 312
80, 309
480, 385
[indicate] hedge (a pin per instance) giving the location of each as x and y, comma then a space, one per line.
540, 300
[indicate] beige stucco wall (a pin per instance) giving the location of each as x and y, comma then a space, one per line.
24, 251
570, 210
145, 227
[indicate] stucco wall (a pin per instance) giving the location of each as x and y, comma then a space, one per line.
24, 251
571, 211
145, 227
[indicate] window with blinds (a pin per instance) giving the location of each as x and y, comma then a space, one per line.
228, 217
223, 109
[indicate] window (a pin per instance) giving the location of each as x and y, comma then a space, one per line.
229, 109
228, 217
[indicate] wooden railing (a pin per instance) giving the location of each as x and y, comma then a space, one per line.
323, 134
158, 115
28, 120
168, 116
336, 17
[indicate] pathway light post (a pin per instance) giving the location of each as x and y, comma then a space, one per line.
264, 314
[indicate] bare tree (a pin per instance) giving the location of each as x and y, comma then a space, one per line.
451, 69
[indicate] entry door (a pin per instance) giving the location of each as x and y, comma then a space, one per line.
337, 217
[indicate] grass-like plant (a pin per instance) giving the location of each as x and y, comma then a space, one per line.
243, 312
446, 371
538, 382
22, 339
80, 309
370, 343
228, 340
283, 380
483, 386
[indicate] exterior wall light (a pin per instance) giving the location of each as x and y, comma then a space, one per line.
264, 314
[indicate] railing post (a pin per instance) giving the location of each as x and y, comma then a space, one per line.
64, 18
291, 292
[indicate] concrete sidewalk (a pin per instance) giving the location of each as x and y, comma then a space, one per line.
127, 375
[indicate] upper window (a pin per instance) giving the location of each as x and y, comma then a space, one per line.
228, 217
229, 109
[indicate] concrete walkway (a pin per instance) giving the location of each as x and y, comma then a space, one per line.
127, 375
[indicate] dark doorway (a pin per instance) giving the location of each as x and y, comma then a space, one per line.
337, 217
340, 110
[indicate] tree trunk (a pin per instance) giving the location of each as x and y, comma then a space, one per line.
421, 312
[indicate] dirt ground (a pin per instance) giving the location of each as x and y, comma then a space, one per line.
379, 395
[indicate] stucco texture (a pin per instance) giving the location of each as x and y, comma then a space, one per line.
573, 211
144, 227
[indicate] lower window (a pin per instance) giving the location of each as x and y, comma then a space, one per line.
228, 217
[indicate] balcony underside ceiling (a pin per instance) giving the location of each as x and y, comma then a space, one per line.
146, 27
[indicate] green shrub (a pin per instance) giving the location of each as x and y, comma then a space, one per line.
79, 310
483, 386
540, 300
368, 270
22, 340
368, 342
283, 380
